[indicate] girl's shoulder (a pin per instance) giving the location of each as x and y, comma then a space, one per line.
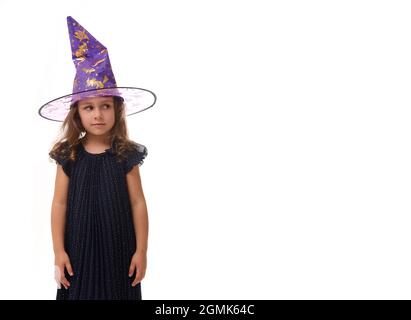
135, 155
137, 147
61, 154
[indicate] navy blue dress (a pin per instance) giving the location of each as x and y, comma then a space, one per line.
99, 233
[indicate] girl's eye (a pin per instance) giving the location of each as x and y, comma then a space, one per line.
104, 105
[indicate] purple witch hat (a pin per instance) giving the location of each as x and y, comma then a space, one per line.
94, 77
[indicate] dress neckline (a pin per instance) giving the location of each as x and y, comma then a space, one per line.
108, 150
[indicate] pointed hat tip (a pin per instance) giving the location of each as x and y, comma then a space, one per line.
70, 19
71, 22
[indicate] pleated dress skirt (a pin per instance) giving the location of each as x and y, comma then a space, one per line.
99, 232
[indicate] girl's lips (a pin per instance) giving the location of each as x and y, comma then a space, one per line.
98, 124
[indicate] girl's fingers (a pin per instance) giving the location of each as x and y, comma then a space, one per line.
57, 276
65, 282
69, 268
137, 279
131, 269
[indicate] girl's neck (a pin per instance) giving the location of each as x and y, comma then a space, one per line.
96, 141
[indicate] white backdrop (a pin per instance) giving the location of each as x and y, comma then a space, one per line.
278, 159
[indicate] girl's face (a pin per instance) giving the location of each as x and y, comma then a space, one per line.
97, 114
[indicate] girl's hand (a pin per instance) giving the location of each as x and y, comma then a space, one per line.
61, 261
139, 262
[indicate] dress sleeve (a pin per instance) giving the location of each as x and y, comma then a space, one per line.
135, 157
65, 163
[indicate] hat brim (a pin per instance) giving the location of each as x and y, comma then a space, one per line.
135, 99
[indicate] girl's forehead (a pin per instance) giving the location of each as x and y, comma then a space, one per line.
96, 99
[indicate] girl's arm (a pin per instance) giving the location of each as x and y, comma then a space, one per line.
58, 210
139, 208
140, 220
58, 221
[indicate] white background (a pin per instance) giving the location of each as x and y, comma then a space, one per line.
279, 155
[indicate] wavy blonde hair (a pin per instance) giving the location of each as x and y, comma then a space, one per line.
66, 145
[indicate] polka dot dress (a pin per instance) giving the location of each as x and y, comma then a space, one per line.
99, 233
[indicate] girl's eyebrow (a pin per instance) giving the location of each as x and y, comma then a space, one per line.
104, 101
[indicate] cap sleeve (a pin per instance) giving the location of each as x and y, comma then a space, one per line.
65, 163
135, 157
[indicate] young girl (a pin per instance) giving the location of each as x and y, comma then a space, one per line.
99, 215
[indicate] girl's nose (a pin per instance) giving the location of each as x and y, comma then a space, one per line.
98, 113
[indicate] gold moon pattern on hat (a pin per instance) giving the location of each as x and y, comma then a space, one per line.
95, 83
